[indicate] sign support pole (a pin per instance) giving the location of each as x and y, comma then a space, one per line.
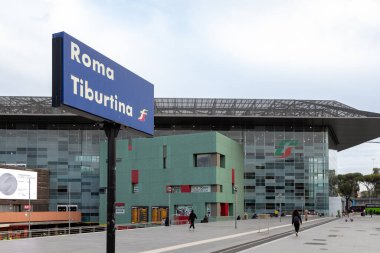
111, 130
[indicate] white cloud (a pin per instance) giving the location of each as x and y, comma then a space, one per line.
239, 49
318, 34
362, 158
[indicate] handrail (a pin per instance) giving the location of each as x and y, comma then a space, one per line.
19, 234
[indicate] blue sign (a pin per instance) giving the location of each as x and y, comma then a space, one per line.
89, 83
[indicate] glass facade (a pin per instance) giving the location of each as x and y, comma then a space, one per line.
282, 165
287, 168
285, 145
71, 156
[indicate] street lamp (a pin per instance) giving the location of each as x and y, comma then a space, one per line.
235, 212
69, 206
373, 163
30, 234
169, 190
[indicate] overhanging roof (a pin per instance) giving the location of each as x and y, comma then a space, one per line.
348, 126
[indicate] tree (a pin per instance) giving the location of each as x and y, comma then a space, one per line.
370, 181
348, 186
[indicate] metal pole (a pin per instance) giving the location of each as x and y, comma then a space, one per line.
280, 205
235, 213
111, 130
245, 169
69, 208
369, 190
169, 191
370, 196
30, 234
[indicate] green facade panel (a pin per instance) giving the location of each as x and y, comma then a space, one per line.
147, 157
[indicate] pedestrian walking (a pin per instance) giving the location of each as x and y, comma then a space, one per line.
192, 218
306, 213
296, 221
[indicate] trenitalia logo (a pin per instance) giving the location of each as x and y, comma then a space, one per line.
143, 114
285, 148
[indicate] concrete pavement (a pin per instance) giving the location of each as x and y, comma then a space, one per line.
362, 235
213, 237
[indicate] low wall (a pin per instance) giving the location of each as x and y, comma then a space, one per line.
16, 217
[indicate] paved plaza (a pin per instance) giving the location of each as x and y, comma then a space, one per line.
362, 235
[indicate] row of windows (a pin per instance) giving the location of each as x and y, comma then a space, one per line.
185, 188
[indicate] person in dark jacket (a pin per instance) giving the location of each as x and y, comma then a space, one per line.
296, 221
205, 219
192, 218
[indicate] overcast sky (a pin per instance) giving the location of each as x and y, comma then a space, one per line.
325, 50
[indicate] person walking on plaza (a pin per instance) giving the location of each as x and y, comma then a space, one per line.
192, 218
296, 221
306, 213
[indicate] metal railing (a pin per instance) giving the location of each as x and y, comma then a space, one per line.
19, 234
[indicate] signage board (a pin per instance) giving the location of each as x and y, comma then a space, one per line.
200, 188
14, 184
119, 208
90, 84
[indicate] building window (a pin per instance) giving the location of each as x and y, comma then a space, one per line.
158, 214
216, 188
139, 214
222, 161
249, 188
62, 188
209, 160
102, 190
249, 175
164, 156
135, 188
205, 160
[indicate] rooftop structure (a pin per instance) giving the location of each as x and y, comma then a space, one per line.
348, 126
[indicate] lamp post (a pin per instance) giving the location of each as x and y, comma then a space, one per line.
373, 163
69, 206
235, 212
169, 190
30, 234
373, 171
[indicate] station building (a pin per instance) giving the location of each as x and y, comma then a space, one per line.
201, 172
286, 145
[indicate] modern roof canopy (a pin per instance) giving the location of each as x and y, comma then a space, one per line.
256, 108
347, 126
